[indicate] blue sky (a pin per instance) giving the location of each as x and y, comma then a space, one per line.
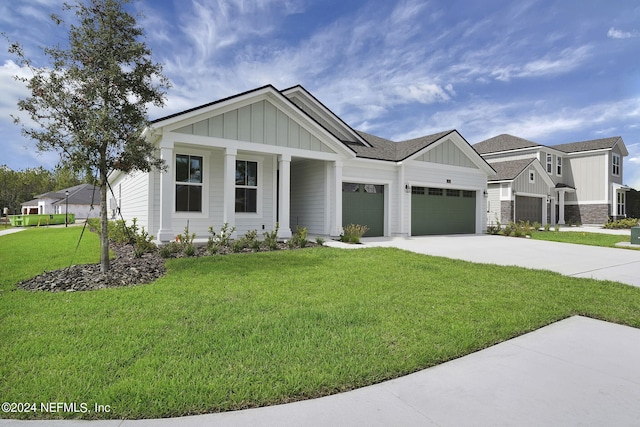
549, 71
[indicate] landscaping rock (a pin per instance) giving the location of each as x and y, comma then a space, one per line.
126, 270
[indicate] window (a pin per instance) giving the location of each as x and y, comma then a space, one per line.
417, 190
558, 165
246, 186
616, 164
620, 205
468, 194
453, 193
549, 164
435, 191
532, 177
188, 183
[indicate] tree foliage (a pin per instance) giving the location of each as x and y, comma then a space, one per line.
90, 102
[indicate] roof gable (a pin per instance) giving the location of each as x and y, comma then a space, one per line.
510, 170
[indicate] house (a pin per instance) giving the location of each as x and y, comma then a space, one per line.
579, 182
270, 156
83, 201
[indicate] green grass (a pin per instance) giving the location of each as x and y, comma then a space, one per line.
582, 238
238, 331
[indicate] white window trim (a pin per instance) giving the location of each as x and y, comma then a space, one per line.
206, 178
615, 166
549, 163
259, 187
621, 203
532, 176
559, 165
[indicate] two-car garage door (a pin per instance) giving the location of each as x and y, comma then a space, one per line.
442, 211
433, 210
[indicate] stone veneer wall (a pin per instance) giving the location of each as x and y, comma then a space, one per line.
586, 214
506, 211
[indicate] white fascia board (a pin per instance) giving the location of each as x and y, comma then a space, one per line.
321, 109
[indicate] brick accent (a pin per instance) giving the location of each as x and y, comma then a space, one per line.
586, 214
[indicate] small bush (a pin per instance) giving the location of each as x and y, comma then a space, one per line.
494, 228
353, 232
221, 240
271, 238
300, 237
237, 246
547, 227
536, 226
185, 241
622, 223
319, 241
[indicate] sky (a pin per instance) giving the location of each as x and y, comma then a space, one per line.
551, 71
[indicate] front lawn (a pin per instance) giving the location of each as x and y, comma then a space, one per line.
582, 238
245, 330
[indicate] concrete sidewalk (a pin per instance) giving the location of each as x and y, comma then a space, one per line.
620, 265
578, 371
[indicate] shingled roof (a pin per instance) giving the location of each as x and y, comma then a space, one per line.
594, 144
510, 169
384, 149
504, 142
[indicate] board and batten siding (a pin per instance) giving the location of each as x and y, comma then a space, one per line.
447, 153
587, 175
262, 123
616, 178
522, 185
493, 204
308, 195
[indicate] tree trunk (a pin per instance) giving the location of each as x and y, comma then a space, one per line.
104, 226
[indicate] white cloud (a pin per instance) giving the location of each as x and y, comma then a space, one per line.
567, 60
619, 34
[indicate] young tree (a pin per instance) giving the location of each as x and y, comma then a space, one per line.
90, 103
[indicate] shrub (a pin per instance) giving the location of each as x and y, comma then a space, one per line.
170, 249
185, 241
353, 232
237, 246
494, 228
319, 241
300, 237
223, 239
536, 226
622, 223
547, 227
271, 238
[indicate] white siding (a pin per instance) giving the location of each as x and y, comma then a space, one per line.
133, 192
447, 153
308, 208
493, 202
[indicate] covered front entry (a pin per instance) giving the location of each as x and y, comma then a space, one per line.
529, 209
363, 204
442, 211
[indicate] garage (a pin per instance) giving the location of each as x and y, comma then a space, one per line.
442, 211
363, 204
529, 209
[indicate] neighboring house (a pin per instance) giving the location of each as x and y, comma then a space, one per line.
583, 182
83, 201
268, 156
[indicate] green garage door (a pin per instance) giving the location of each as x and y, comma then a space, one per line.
528, 209
363, 204
442, 211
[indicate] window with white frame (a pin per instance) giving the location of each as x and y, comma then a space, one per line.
532, 177
558, 165
615, 164
188, 183
620, 205
549, 163
246, 186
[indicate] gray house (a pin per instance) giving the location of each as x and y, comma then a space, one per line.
576, 182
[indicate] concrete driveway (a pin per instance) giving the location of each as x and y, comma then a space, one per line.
617, 264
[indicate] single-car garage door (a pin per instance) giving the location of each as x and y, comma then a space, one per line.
442, 211
529, 209
363, 204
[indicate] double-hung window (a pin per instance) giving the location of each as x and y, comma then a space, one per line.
558, 165
246, 186
615, 164
188, 183
549, 164
620, 204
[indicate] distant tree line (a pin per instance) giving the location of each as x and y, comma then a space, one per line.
17, 187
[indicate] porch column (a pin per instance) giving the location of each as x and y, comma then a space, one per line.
165, 233
544, 211
561, 209
336, 226
284, 208
229, 189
